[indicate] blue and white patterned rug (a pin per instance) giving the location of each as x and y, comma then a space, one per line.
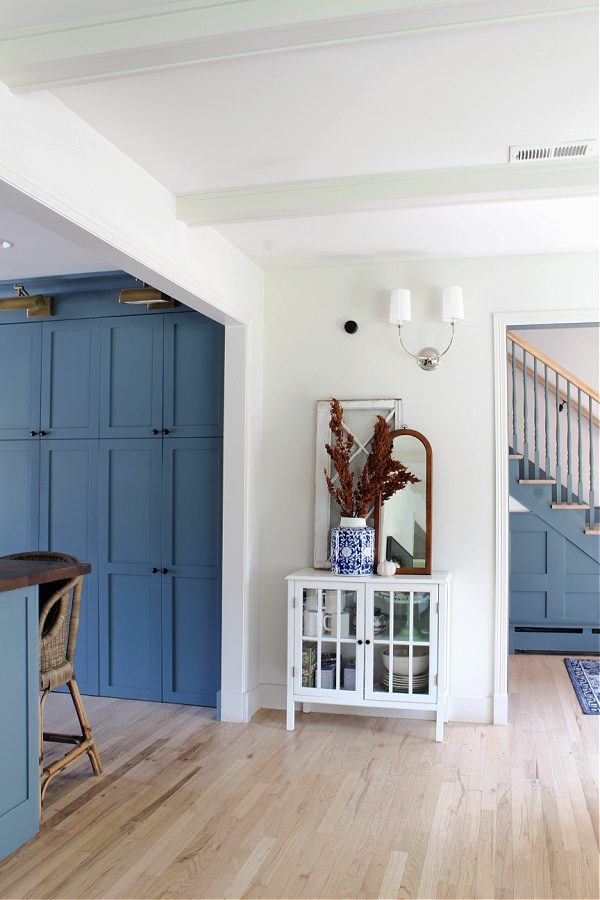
585, 675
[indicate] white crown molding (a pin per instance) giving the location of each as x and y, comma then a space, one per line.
172, 35
403, 189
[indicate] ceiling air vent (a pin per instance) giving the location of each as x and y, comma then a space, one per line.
552, 152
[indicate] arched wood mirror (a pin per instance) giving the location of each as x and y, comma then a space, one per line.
403, 523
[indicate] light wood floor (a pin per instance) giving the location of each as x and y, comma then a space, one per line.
343, 807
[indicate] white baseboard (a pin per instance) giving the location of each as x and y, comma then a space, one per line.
500, 709
460, 709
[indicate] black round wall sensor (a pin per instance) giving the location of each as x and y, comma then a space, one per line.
350, 326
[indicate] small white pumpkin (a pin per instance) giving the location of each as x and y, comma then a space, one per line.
386, 569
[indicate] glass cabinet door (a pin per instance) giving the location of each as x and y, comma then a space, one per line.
401, 644
328, 625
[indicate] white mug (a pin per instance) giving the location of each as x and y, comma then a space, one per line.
311, 623
337, 626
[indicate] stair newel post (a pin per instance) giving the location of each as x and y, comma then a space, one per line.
569, 462
547, 421
579, 450
514, 397
536, 461
525, 419
558, 463
592, 491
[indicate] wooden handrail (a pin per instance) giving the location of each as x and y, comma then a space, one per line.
547, 361
552, 389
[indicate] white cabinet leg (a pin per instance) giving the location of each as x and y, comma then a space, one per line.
291, 716
439, 725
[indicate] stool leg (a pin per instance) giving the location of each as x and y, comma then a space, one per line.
43, 698
86, 728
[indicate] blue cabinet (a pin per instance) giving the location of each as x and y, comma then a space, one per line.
69, 521
132, 376
70, 378
191, 555
19, 686
193, 376
20, 359
19, 495
126, 475
130, 591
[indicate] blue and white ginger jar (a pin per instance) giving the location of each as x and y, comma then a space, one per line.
352, 547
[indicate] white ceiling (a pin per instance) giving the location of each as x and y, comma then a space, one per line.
39, 251
427, 98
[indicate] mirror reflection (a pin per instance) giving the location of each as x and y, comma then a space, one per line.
403, 524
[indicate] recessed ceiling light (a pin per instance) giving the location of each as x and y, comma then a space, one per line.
5, 245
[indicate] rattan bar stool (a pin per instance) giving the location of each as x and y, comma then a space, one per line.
60, 605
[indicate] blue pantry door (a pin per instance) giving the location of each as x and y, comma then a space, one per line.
130, 549
19, 495
69, 521
70, 378
20, 355
193, 376
132, 368
191, 599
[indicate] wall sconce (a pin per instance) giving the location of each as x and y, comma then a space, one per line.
35, 305
452, 311
151, 297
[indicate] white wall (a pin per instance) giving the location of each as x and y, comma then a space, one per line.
576, 349
308, 356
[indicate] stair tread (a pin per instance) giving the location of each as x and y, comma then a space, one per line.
595, 529
537, 480
515, 456
570, 506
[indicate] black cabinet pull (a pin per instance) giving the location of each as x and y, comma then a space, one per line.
164, 571
165, 431
155, 431
154, 570
33, 433
359, 642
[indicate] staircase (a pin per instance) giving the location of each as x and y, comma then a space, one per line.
555, 549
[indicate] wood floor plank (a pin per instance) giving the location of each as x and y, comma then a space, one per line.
344, 806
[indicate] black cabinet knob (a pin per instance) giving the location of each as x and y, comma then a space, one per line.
166, 431
359, 641
154, 570
164, 571
43, 433
33, 433
367, 642
155, 431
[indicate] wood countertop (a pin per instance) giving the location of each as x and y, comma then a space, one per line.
20, 573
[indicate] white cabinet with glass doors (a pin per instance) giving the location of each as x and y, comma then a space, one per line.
368, 642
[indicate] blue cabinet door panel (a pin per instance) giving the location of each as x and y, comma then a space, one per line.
193, 376
131, 376
19, 687
192, 556
70, 378
191, 640
69, 523
20, 360
129, 547
19, 495
192, 506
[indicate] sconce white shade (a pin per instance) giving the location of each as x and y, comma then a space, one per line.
452, 305
400, 306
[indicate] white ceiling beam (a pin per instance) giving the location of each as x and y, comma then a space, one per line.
189, 32
393, 191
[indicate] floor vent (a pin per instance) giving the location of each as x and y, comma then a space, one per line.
552, 152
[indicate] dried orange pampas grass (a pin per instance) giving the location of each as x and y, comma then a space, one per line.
381, 476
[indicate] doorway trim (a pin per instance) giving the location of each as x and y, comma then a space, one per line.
502, 321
